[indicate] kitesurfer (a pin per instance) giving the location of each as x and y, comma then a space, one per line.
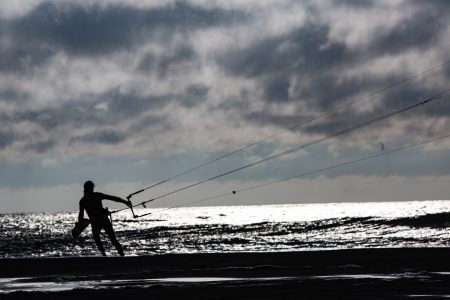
98, 216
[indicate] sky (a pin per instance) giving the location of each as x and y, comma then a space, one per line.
129, 93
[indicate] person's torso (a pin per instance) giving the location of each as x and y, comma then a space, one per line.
93, 205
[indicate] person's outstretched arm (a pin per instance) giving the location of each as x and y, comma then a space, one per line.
116, 199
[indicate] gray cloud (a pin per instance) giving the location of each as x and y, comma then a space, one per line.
109, 137
303, 50
101, 30
63, 121
6, 138
355, 3
419, 31
12, 95
264, 118
305, 65
161, 64
307, 54
168, 64
40, 146
194, 95
148, 123
276, 88
120, 107
129, 105
304, 56
23, 60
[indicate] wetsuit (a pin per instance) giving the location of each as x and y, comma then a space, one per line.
98, 216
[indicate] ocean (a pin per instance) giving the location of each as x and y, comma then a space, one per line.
227, 229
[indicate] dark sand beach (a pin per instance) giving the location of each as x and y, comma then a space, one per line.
398, 273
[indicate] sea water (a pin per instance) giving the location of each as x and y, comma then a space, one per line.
290, 227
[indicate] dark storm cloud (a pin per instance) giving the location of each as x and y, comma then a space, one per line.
49, 118
77, 114
447, 71
27, 142
194, 95
363, 4
315, 62
301, 65
326, 90
6, 138
276, 88
40, 146
306, 49
109, 109
440, 6
346, 117
120, 107
23, 60
398, 98
419, 31
147, 123
308, 53
333, 124
98, 30
305, 53
12, 95
278, 120
343, 121
161, 64
129, 105
109, 137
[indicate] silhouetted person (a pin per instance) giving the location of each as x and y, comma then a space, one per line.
98, 216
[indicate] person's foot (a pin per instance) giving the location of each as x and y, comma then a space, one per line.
119, 249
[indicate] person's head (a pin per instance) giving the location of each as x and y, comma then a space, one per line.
89, 187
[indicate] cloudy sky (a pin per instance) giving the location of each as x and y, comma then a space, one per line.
127, 93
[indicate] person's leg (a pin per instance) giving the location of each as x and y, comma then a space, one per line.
98, 242
112, 236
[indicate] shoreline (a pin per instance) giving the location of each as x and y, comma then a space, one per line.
371, 258
394, 273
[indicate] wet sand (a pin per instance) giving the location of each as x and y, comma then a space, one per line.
334, 274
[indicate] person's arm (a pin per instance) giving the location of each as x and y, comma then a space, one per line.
116, 199
81, 213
